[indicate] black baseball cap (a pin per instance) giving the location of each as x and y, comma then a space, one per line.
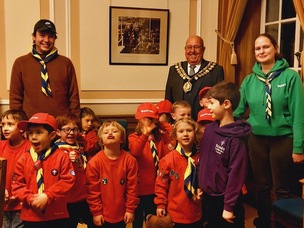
45, 25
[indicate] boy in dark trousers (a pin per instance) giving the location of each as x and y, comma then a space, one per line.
78, 208
43, 176
223, 159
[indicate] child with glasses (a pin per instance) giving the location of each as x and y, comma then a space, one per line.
88, 133
68, 130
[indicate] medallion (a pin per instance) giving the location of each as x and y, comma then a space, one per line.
187, 87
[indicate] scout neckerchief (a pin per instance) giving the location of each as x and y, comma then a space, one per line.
76, 147
268, 91
154, 152
188, 85
38, 165
45, 86
190, 179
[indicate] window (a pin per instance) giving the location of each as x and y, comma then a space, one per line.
279, 19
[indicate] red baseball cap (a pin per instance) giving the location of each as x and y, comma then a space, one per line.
146, 110
38, 118
204, 115
164, 106
203, 92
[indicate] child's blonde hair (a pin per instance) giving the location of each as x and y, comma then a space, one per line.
115, 124
194, 125
180, 104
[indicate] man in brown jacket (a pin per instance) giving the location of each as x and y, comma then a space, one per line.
43, 80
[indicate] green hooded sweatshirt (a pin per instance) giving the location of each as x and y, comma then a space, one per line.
287, 104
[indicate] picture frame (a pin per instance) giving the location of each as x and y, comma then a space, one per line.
138, 36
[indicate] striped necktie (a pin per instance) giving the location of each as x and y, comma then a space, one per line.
154, 153
77, 149
190, 175
45, 86
268, 91
38, 165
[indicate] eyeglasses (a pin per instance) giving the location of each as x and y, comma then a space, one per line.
196, 47
68, 130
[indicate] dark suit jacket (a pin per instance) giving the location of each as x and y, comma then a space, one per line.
174, 86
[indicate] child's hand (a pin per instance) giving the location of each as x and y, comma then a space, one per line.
170, 146
129, 217
6, 195
228, 216
98, 220
199, 194
72, 156
161, 212
39, 201
147, 125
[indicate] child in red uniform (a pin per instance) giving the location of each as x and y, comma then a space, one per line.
203, 98
204, 117
43, 176
181, 109
176, 183
88, 137
164, 108
68, 128
147, 144
11, 149
112, 179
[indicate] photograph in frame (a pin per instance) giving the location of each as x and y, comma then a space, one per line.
139, 36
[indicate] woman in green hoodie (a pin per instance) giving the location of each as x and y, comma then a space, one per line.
274, 95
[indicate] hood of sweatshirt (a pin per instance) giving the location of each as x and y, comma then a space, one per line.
238, 129
280, 64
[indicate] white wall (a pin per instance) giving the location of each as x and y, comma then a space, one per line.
20, 17
98, 79
97, 74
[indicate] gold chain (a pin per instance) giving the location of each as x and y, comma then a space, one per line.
188, 85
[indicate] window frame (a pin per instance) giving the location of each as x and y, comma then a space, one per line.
297, 46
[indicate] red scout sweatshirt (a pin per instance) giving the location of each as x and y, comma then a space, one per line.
77, 192
12, 154
169, 189
59, 178
140, 148
112, 186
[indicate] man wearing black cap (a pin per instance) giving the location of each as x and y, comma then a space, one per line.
43, 80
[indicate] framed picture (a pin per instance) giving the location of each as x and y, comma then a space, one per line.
139, 36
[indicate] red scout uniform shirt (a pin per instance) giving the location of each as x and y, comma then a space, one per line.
12, 154
169, 189
89, 142
78, 191
112, 186
140, 148
59, 178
